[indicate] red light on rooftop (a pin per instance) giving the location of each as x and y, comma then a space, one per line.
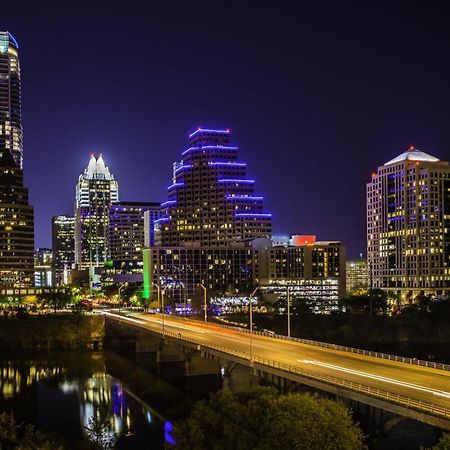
303, 239
411, 148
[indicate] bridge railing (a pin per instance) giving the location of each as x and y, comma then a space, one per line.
398, 399
343, 348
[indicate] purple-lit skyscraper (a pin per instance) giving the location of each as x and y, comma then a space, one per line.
211, 200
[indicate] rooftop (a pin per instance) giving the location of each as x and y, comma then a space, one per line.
97, 169
413, 154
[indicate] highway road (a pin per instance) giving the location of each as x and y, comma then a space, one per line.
416, 382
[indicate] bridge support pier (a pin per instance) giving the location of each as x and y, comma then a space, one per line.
196, 364
237, 377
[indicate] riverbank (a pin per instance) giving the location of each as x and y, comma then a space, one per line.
52, 331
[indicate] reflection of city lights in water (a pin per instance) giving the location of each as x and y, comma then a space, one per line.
168, 428
13, 379
101, 398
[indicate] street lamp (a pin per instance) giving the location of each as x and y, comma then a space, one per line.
161, 291
204, 301
288, 311
120, 290
251, 324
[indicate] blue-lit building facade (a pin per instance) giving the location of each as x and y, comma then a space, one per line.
208, 222
211, 201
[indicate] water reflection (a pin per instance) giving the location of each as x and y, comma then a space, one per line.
14, 379
79, 401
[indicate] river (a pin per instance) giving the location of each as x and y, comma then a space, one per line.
63, 393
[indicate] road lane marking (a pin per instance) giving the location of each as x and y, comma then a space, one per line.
377, 377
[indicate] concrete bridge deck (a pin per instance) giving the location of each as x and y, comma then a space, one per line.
421, 393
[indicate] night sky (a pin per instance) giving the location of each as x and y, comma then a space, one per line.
316, 94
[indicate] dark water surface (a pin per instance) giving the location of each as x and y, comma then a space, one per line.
60, 393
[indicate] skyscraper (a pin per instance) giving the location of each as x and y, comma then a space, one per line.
211, 201
16, 215
126, 234
43, 260
96, 190
63, 242
408, 225
150, 216
10, 98
16, 226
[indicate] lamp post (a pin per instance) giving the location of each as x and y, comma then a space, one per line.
204, 301
288, 296
120, 289
251, 324
161, 291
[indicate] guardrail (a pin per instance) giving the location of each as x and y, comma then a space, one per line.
398, 399
343, 348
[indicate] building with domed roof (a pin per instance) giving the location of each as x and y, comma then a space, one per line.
96, 190
408, 225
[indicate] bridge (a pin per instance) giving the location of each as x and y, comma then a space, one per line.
418, 390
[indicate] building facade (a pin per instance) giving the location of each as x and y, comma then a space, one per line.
211, 201
43, 260
151, 215
127, 233
10, 98
63, 242
357, 275
313, 271
96, 190
16, 214
16, 227
181, 270
408, 225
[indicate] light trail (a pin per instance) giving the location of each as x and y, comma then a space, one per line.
377, 377
172, 324
130, 319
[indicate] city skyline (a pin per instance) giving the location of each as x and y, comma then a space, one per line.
310, 128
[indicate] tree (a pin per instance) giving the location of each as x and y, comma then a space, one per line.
56, 299
261, 418
444, 443
24, 436
375, 302
100, 433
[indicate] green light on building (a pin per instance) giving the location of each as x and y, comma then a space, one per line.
147, 257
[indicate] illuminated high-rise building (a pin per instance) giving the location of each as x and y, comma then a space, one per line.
16, 227
43, 259
96, 190
63, 242
10, 98
16, 215
127, 233
357, 277
211, 201
408, 225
